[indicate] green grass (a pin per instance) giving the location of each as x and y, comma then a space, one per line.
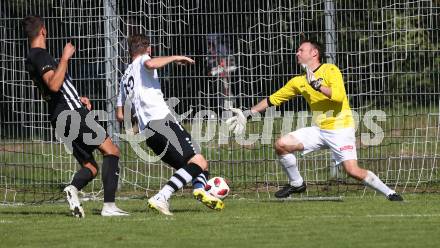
367, 222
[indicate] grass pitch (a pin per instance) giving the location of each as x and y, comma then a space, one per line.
367, 222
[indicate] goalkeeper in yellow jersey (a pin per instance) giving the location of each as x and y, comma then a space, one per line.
323, 88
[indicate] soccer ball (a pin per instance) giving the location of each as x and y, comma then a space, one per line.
217, 187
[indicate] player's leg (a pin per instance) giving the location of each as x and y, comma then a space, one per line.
176, 157
201, 180
370, 179
81, 178
110, 178
305, 140
179, 179
342, 142
110, 168
180, 154
199, 193
190, 149
284, 147
86, 173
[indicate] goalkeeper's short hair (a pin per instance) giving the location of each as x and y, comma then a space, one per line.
318, 46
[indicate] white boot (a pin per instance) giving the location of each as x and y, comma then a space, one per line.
109, 209
73, 200
159, 203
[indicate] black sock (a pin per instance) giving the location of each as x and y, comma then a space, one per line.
110, 177
184, 175
82, 178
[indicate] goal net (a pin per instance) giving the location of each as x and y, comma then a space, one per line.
244, 50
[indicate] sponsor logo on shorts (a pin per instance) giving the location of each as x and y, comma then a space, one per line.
347, 147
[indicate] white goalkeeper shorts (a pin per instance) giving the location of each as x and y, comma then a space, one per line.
341, 142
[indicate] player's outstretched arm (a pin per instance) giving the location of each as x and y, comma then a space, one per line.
260, 107
160, 62
54, 79
239, 120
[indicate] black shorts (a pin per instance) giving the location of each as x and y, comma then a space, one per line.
82, 149
170, 141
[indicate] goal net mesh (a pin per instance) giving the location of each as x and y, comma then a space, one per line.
388, 52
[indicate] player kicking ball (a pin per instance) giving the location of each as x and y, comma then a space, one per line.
56, 87
165, 136
323, 88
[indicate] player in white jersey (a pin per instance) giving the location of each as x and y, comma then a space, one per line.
165, 136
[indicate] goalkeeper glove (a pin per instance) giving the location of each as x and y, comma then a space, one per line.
314, 83
237, 122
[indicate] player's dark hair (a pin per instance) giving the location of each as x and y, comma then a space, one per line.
32, 25
138, 44
318, 46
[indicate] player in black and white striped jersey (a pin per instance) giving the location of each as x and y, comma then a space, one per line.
165, 136
56, 87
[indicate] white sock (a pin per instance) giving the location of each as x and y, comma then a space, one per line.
374, 182
179, 179
166, 191
288, 162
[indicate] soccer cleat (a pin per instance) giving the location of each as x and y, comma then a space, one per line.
74, 204
113, 211
159, 203
207, 199
288, 189
394, 197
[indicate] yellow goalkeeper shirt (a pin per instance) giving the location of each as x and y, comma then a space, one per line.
328, 113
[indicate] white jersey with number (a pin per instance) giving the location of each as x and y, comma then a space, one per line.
142, 87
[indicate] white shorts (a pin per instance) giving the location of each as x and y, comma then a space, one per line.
342, 142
